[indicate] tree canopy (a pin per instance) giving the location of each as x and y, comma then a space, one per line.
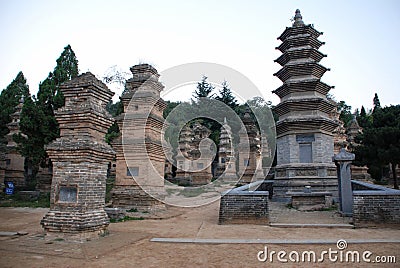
380, 142
38, 124
9, 99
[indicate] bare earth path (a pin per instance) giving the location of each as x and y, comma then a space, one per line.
129, 245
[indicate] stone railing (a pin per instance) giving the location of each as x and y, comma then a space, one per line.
375, 205
247, 204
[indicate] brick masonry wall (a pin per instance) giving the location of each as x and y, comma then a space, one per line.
376, 209
237, 208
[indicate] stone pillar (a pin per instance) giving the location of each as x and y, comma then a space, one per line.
80, 159
343, 162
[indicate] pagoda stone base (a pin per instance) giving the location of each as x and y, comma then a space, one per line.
75, 225
192, 180
134, 197
294, 178
360, 173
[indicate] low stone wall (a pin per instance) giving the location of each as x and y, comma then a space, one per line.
244, 205
375, 205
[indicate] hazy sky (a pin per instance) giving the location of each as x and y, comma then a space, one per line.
362, 39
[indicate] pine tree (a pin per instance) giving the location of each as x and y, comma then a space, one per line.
38, 123
9, 99
226, 96
364, 119
345, 112
49, 95
380, 143
204, 89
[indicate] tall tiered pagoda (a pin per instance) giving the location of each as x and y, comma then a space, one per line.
140, 160
14, 161
305, 127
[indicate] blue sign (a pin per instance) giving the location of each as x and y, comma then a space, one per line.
9, 190
9, 187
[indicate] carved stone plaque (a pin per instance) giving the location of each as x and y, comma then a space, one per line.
68, 194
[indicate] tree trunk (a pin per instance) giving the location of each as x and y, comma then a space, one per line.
395, 184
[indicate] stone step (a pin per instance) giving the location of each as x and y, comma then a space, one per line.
312, 225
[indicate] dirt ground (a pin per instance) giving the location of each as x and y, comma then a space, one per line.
129, 245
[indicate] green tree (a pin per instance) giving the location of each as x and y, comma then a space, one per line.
9, 99
30, 142
345, 112
380, 143
226, 96
204, 89
114, 109
364, 119
38, 123
49, 96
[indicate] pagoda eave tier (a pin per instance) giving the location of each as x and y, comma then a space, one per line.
306, 29
302, 86
300, 41
305, 124
298, 105
75, 151
297, 54
301, 69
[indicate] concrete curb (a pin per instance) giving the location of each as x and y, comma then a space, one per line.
268, 241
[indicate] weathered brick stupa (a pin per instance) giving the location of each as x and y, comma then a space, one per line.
140, 158
193, 163
80, 158
249, 151
226, 168
14, 161
305, 127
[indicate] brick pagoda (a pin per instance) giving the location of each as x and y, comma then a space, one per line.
249, 151
305, 127
15, 163
140, 159
80, 158
226, 155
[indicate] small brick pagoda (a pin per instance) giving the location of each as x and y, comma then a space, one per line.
14, 170
80, 159
183, 160
193, 161
305, 127
249, 151
226, 155
140, 159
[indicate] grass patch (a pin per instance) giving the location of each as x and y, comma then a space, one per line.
192, 191
132, 210
289, 206
127, 218
331, 208
16, 201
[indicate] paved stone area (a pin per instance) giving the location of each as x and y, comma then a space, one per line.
129, 243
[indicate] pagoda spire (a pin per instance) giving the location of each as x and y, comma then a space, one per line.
298, 19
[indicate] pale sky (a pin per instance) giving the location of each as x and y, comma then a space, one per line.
362, 39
